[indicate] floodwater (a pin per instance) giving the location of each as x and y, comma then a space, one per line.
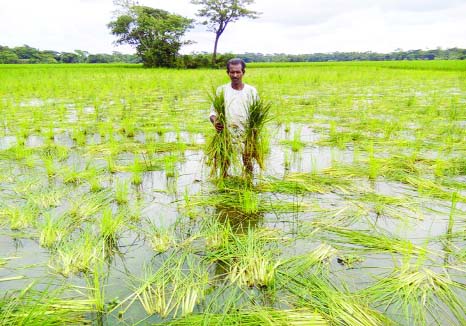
162, 195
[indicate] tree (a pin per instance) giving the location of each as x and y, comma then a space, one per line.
219, 13
156, 33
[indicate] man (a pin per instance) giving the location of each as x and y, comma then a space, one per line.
238, 97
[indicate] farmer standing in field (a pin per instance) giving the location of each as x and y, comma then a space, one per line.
238, 97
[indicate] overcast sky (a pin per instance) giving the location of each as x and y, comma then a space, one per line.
285, 26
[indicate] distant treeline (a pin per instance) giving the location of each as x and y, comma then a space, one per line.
27, 54
437, 54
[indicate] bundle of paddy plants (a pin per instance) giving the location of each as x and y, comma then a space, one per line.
254, 316
51, 305
174, 289
419, 296
250, 260
221, 150
304, 284
254, 142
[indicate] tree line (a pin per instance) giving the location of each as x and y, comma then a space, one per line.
28, 54
158, 35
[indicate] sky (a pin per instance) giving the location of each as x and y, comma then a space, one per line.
285, 26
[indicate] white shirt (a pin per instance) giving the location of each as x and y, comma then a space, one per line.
236, 104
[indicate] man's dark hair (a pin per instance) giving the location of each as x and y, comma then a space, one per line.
236, 61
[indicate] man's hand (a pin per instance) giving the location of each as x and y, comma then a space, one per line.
217, 125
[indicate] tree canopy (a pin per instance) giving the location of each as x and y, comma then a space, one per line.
156, 34
218, 14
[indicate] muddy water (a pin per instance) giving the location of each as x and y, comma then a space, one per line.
161, 196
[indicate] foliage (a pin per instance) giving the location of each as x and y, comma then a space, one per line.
219, 13
221, 151
155, 33
254, 147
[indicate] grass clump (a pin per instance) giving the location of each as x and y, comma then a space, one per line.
220, 149
254, 142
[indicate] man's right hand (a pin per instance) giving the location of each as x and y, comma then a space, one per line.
218, 126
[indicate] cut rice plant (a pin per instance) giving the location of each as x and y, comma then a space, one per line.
254, 317
251, 259
20, 217
175, 288
50, 306
254, 142
419, 296
111, 225
48, 197
316, 292
160, 238
122, 191
376, 241
76, 255
53, 230
221, 151
88, 205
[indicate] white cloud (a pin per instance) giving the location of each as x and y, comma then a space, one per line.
292, 26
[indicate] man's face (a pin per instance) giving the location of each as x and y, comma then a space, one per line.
236, 73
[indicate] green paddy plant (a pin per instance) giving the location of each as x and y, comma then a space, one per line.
419, 296
20, 217
122, 190
251, 259
53, 230
254, 142
254, 317
174, 289
47, 197
160, 238
221, 152
249, 201
314, 291
87, 205
76, 255
369, 241
57, 305
169, 163
136, 171
111, 225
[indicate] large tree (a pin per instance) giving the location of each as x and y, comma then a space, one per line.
219, 13
156, 33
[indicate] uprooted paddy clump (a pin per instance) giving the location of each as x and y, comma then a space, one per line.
355, 214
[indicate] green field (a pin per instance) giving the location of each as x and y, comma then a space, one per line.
108, 215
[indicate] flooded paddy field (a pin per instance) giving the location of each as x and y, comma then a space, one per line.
109, 215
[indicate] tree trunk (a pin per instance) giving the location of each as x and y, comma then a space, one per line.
214, 55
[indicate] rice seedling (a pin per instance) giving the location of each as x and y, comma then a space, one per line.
20, 217
88, 205
121, 191
170, 166
254, 142
47, 197
254, 316
75, 255
174, 289
53, 230
221, 151
49, 306
419, 296
370, 241
160, 238
111, 226
314, 291
249, 258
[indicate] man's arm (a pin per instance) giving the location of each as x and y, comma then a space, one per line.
213, 119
